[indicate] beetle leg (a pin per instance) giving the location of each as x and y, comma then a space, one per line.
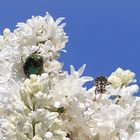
22, 59
45, 60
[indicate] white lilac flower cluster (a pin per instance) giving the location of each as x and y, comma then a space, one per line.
55, 105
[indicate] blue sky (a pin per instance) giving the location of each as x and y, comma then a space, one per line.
104, 34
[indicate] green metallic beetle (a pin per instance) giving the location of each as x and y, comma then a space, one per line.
33, 64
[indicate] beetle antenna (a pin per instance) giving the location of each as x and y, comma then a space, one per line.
37, 50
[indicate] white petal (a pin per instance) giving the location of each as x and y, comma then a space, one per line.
81, 70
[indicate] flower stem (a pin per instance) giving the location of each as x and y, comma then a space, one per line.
33, 124
33, 106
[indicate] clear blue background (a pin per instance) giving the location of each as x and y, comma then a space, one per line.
104, 34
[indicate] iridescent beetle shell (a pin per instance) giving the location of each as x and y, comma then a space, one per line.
33, 64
